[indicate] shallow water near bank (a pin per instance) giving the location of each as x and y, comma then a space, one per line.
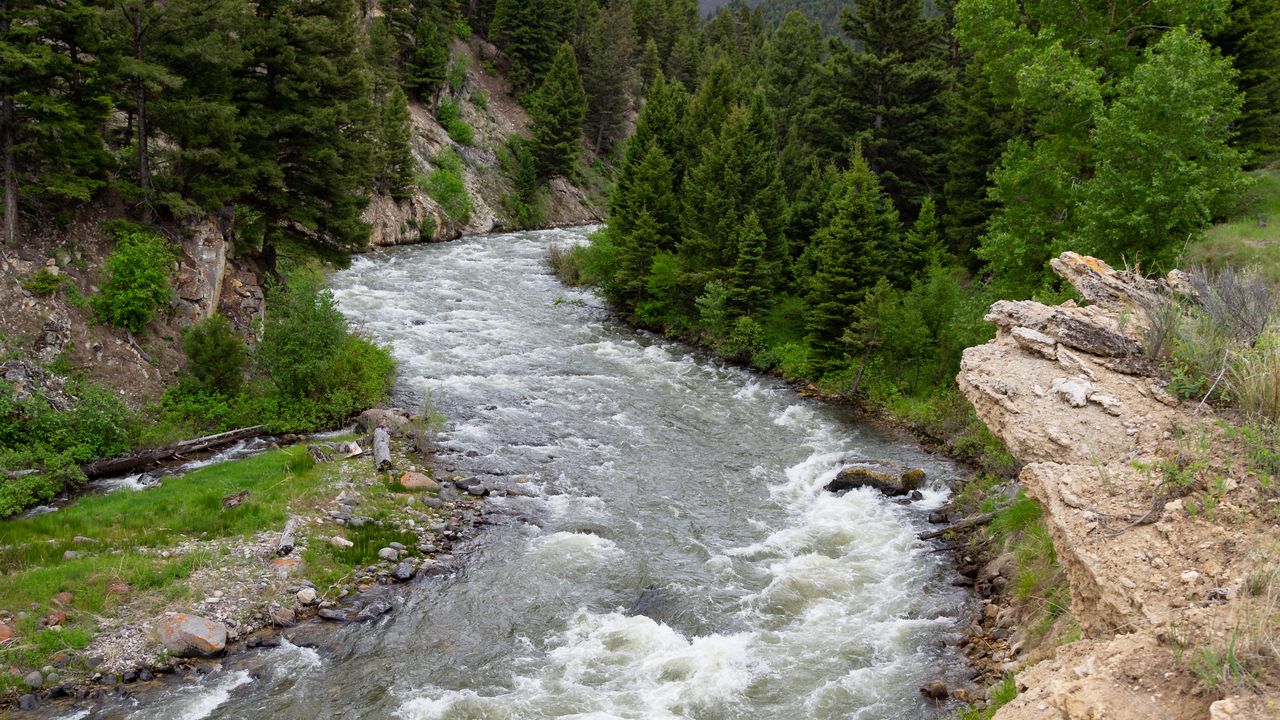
681, 559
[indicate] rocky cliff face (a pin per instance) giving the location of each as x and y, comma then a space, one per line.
1155, 514
421, 218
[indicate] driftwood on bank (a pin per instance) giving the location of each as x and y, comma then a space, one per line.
285, 545
381, 449
147, 458
965, 524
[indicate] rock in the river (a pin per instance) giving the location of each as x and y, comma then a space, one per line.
332, 614
27, 703
185, 635
404, 572
885, 482
389, 554
935, 690
375, 609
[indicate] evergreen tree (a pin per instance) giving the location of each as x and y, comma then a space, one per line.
644, 219
203, 166
650, 66
310, 127
53, 99
717, 94
737, 174
1252, 40
923, 244
429, 64
887, 88
558, 116
529, 31
662, 120
850, 254
395, 174
608, 76
979, 128
750, 280
791, 59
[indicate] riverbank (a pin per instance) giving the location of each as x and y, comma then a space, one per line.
99, 586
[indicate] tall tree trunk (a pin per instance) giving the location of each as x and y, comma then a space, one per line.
10, 171
7, 141
144, 164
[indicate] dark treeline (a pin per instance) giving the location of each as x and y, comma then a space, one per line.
846, 208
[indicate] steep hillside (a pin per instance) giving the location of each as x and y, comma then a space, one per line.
485, 99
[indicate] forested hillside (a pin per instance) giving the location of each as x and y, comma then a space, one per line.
846, 210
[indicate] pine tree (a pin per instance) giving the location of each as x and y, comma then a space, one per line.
203, 164
979, 128
849, 255
53, 99
923, 245
608, 76
559, 115
310, 126
528, 31
395, 174
737, 174
1252, 40
750, 280
791, 59
888, 89
429, 64
650, 66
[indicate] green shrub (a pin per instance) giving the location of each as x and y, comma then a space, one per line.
34, 436
462, 28
480, 99
137, 281
457, 74
446, 186
301, 339
44, 282
449, 115
216, 357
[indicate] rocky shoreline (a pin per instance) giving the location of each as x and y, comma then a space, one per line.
255, 597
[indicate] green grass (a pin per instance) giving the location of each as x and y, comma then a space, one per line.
130, 530
1249, 239
446, 186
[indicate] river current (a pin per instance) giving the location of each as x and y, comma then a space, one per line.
679, 560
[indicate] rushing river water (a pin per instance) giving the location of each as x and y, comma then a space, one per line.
681, 561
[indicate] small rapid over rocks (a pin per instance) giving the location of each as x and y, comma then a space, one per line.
676, 555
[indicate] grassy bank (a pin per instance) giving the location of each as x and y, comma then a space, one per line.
135, 551
119, 560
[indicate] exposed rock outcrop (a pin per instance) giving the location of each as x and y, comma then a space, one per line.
1069, 391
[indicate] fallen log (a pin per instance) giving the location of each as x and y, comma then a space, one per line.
381, 449
147, 458
285, 545
965, 524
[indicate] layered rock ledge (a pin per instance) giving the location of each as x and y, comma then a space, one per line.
1157, 569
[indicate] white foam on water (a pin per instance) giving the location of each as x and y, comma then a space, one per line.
195, 702
610, 665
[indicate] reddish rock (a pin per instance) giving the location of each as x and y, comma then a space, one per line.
6, 633
57, 617
118, 587
418, 481
185, 635
62, 599
286, 566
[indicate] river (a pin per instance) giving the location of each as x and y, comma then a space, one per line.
680, 560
